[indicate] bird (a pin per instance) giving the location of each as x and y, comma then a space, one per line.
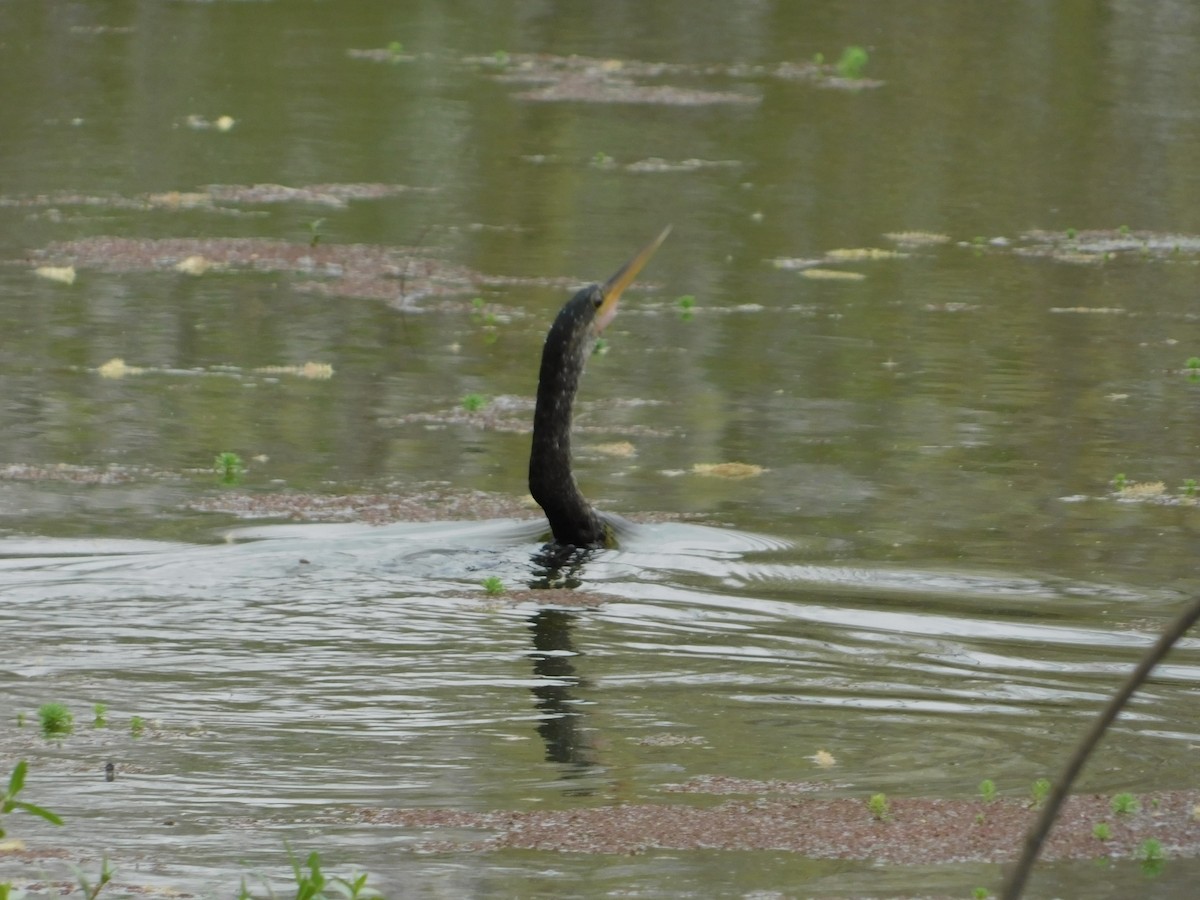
569, 343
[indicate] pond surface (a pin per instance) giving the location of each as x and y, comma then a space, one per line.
941, 311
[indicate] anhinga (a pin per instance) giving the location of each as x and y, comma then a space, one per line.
568, 345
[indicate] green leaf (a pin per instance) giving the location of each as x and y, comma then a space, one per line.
17, 781
50, 817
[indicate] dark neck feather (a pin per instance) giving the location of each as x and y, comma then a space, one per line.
569, 343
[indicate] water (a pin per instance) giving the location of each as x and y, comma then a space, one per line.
931, 578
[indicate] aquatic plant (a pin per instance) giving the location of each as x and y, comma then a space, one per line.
1125, 804
20, 720
314, 229
1072, 234
1120, 482
981, 893
493, 585
89, 890
137, 725
501, 57
9, 802
229, 467
987, 790
602, 160
98, 710
474, 402
1150, 852
1189, 487
852, 62
1101, 831
879, 807
1192, 363
1040, 791
687, 303
395, 51
313, 883
56, 718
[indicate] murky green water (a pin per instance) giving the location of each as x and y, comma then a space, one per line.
932, 579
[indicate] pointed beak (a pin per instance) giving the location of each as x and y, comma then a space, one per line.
614, 286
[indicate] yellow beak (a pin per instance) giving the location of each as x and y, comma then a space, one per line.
614, 286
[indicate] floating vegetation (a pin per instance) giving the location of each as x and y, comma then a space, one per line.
731, 470
398, 275
199, 123
229, 467
422, 503
1098, 246
824, 759
672, 740
854, 254
473, 403
61, 274
117, 368
493, 585
193, 265
619, 449
212, 196
917, 238
56, 719
832, 275
880, 809
656, 164
851, 63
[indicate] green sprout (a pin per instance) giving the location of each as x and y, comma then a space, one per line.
981, 893
1125, 804
1123, 231
314, 229
852, 62
1101, 831
395, 50
137, 725
601, 347
474, 402
1192, 363
501, 57
89, 890
1150, 852
1120, 482
20, 720
879, 807
229, 467
99, 709
987, 790
1040, 791
602, 160
493, 585
1189, 487
687, 303
56, 719
1072, 234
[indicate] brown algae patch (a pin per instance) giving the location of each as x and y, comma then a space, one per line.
917, 831
1098, 246
211, 197
397, 274
425, 504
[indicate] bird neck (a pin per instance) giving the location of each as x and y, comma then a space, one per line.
571, 517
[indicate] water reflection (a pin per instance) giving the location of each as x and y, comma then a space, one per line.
562, 725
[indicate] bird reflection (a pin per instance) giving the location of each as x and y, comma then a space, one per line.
562, 726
